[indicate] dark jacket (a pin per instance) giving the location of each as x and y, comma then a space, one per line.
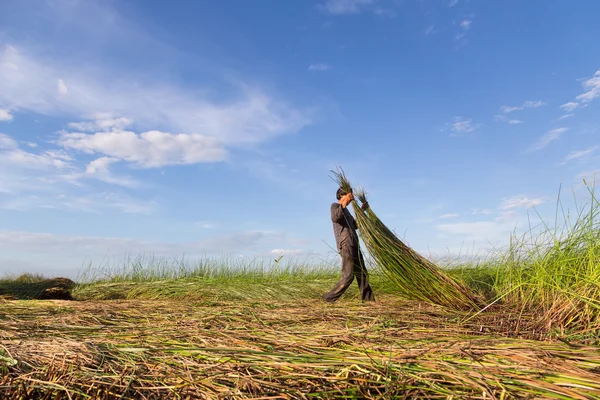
344, 226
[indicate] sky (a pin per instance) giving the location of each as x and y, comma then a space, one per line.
209, 129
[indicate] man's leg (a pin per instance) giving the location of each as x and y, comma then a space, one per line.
362, 277
347, 276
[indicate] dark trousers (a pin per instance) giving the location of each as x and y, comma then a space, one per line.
353, 264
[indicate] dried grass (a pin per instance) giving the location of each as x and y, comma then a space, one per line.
282, 349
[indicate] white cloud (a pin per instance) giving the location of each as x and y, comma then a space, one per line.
22, 168
49, 243
58, 154
592, 91
206, 224
100, 169
503, 118
527, 104
478, 211
93, 248
490, 233
69, 250
548, 138
293, 252
339, 7
592, 86
239, 241
26, 176
459, 36
453, 3
462, 125
533, 104
100, 165
98, 202
516, 202
126, 204
480, 231
570, 106
16, 157
101, 122
147, 149
7, 143
63, 254
581, 155
508, 109
62, 87
5, 115
509, 215
251, 240
464, 26
565, 117
450, 215
249, 116
319, 67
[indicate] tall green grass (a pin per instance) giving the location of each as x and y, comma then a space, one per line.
214, 279
150, 268
555, 272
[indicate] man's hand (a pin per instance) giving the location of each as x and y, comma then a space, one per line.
346, 199
365, 205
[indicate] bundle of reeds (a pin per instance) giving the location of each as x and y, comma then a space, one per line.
416, 277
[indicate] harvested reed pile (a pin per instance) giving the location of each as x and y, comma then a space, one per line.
28, 286
281, 349
416, 277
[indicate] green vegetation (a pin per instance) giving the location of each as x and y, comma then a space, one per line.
213, 280
555, 273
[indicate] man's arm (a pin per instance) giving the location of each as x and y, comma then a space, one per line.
337, 213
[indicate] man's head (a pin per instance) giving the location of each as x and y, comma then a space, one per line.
344, 197
341, 192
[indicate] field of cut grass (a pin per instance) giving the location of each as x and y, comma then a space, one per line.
267, 334
215, 329
299, 348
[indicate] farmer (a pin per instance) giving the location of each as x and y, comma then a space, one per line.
346, 240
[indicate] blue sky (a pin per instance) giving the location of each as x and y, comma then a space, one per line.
209, 128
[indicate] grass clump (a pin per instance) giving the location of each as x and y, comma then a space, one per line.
35, 286
555, 273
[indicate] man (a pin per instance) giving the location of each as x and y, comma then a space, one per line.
353, 264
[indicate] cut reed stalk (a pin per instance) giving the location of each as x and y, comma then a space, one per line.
280, 349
